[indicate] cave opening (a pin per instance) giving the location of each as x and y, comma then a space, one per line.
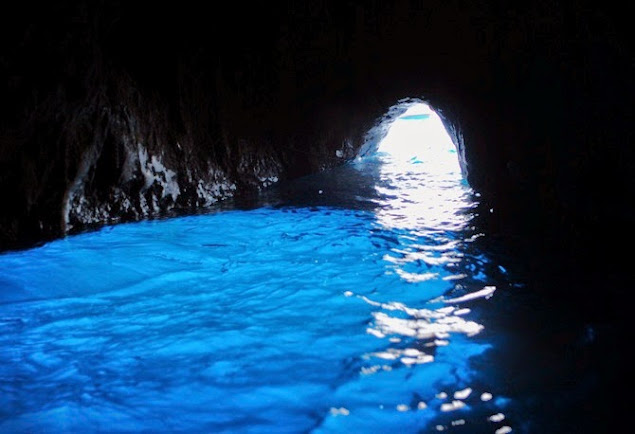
412, 134
418, 136
418, 168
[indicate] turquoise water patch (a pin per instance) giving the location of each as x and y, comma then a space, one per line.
415, 117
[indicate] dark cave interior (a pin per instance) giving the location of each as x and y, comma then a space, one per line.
105, 103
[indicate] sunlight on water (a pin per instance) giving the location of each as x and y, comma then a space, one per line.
328, 318
421, 174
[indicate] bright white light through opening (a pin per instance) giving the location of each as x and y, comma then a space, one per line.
419, 137
421, 183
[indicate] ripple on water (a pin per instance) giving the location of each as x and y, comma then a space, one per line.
286, 319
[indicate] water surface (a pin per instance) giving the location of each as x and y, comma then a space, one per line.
357, 300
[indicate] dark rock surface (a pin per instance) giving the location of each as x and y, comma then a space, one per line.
117, 110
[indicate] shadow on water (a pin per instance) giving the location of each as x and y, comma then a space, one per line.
556, 340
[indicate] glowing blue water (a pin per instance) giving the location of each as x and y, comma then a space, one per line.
347, 303
357, 300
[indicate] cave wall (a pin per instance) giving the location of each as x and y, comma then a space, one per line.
117, 111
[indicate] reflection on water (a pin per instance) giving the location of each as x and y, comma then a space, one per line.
350, 301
